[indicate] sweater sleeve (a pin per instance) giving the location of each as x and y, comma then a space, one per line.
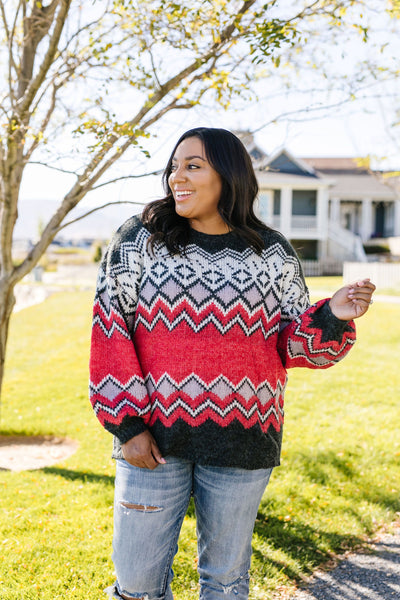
310, 336
117, 389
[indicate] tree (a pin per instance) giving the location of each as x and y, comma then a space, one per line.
86, 83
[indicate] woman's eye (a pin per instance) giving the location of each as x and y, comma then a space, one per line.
193, 166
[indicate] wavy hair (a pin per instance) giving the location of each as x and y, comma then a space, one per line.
230, 159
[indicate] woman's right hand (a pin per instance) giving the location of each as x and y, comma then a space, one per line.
142, 451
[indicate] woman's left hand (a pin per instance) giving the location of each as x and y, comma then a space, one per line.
352, 301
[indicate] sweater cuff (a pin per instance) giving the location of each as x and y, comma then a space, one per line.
331, 326
127, 429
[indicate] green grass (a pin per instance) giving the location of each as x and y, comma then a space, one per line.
337, 485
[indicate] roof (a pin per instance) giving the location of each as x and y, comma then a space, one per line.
356, 187
352, 180
282, 161
335, 165
344, 176
275, 180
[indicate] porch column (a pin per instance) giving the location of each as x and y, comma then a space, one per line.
396, 224
335, 210
266, 206
286, 211
366, 219
322, 213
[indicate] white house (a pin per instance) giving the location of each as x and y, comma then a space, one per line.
327, 207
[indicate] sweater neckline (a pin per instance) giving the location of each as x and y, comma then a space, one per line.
194, 233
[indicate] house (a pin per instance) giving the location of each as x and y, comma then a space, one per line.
327, 207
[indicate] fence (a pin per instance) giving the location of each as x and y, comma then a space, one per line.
384, 275
318, 268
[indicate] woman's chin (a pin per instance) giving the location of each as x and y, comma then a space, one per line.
182, 211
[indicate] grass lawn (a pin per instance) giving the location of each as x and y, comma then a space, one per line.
337, 485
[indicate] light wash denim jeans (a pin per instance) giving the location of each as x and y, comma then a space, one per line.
148, 512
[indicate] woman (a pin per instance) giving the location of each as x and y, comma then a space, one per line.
200, 309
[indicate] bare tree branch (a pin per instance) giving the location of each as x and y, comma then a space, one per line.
34, 85
153, 67
44, 125
85, 27
4, 19
59, 169
90, 212
11, 60
123, 177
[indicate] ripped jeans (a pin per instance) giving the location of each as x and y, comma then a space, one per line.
148, 512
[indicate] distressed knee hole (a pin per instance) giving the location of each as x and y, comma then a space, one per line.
145, 597
141, 507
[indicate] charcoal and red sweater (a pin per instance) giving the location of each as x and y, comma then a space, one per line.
195, 347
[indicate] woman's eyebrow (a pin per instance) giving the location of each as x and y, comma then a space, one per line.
190, 158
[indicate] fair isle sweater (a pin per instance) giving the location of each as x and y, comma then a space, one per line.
195, 347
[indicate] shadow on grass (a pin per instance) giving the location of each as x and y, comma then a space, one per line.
302, 544
295, 548
83, 476
343, 475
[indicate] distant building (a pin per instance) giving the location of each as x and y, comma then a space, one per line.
327, 207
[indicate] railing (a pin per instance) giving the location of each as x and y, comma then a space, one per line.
303, 222
348, 240
318, 268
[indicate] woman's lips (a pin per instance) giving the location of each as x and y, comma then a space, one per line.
182, 195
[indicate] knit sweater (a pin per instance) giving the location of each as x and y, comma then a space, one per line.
195, 347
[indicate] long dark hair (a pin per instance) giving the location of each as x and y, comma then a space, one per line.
228, 156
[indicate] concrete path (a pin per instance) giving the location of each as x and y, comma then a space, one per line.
67, 277
373, 576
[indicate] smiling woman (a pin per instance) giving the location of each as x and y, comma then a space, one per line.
200, 310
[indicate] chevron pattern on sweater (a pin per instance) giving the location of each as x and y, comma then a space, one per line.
317, 351
192, 400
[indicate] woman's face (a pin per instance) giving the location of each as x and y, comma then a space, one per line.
196, 187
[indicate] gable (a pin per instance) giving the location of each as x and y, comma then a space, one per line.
285, 164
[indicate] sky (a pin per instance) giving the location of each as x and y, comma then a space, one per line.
352, 131
278, 118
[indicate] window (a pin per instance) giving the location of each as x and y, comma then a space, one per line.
304, 202
277, 202
306, 249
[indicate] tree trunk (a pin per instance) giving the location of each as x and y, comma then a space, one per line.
7, 301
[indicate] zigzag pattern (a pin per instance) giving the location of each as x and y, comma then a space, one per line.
211, 316
191, 399
109, 323
223, 289
110, 387
317, 352
210, 409
124, 406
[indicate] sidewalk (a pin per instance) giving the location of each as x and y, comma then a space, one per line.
66, 277
373, 576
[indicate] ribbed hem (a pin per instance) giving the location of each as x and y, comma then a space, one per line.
127, 429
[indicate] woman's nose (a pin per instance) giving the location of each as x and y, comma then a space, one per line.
178, 174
